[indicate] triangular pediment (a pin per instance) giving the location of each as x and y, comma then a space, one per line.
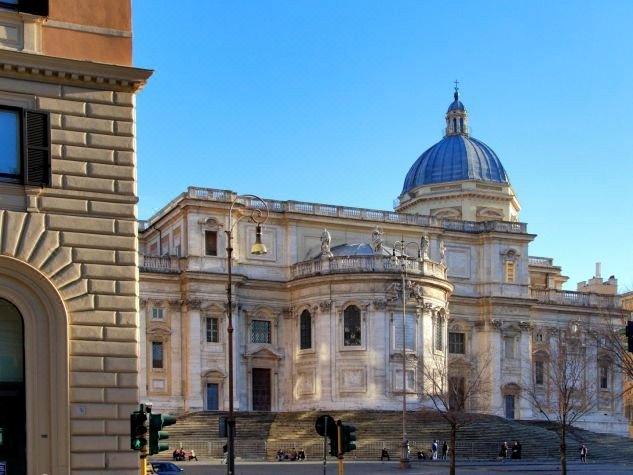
263, 352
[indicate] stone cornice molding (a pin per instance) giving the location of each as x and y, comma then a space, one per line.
41, 68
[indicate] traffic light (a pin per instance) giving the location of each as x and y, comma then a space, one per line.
138, 429
156, 434
347, 438
333, 435
629, 336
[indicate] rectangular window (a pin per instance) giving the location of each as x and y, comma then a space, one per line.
34, 7
157, 354
604, 377
10, 160
457, 343
260, 332
410, 380
409, 332
158, 313
305, 330
510, 272
25, 148
439, 334
212, 330
539, 372
210, 243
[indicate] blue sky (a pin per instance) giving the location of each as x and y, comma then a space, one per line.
332, 102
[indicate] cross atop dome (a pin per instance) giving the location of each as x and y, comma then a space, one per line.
456, 116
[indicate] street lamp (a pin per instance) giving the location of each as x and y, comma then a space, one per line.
401, 260
259, 215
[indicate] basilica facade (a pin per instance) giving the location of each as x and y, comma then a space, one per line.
336, 307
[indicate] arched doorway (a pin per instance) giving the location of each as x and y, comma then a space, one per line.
12, 395
43, 320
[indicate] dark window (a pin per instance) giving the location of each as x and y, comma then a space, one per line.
305, 330
211, 243
260, 331
34, 7
25, 149
212, 330
439, 333
157, 354
604, 377
351, 324
456, 343
539, 372
158, 313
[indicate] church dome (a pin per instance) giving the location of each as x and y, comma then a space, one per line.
456, 157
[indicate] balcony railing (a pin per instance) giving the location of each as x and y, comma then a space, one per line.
360, 264
169, 264
352, 213
540, 261
568, 297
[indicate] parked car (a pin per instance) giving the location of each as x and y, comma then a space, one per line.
166, 468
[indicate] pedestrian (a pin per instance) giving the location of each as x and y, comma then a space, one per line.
301, 455
192, 455
434, 450
583, 453
516, 450
444, 451
225, 453
503, 453
384, 454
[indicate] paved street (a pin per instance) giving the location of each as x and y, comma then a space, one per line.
383, 468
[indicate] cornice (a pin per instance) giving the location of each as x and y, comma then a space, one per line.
50, 69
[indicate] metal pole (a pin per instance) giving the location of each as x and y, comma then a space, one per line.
340, 452
404, 459
230, 421
325, 433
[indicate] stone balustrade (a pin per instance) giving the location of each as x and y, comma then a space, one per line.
364, 214
581, 299
359, 264
159, 263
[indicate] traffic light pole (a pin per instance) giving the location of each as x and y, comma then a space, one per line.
143, 461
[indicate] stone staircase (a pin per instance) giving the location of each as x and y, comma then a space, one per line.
261, 434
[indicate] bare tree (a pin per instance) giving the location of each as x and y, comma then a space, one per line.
611, 339
456, 390
562, 388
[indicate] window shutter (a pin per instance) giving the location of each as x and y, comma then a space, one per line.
34, 7
37, 148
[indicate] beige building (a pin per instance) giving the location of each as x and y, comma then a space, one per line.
68, 237
320, 319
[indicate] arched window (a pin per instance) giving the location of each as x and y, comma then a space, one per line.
305, 330
351, 326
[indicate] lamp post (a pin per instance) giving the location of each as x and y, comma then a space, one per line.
401, 260
258, 215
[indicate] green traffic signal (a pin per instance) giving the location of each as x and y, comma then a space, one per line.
348, 438
156, 423
138, 429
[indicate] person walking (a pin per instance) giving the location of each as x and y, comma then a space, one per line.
434, 450
444, 451
583, 453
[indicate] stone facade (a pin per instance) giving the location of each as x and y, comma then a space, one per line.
68, 243
477, 293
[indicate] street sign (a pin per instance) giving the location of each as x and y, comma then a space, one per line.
325, 421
